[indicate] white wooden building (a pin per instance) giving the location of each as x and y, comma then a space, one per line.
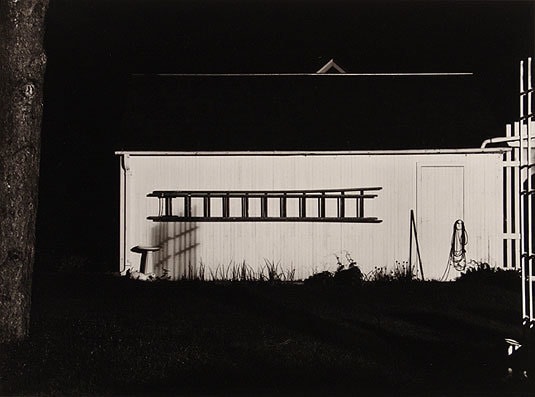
441, 186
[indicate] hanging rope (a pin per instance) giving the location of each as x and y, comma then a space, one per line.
457, 257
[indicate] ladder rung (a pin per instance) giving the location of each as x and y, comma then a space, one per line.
244, 207
187, 206
527, 192
264, 206
303, 206
283, 210
226, 206
168, 206
511, 236
206, 204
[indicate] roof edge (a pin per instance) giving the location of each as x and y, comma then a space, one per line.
315, 153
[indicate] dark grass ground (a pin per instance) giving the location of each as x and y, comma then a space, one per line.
104, 335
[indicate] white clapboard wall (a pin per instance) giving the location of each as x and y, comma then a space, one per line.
441, 186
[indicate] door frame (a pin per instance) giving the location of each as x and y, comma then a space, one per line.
418, 186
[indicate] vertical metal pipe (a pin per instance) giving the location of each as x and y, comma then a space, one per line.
417, 245
508, 218
529, 195
520, 195
521, 188
410, 243
516, 196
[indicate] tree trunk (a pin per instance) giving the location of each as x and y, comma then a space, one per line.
22, 66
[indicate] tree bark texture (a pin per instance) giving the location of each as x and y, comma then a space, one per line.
22, 66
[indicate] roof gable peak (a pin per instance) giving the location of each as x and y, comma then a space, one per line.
329, 66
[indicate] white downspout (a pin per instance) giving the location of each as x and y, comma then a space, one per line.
126, 172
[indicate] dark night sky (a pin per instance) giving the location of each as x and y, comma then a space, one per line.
94, 106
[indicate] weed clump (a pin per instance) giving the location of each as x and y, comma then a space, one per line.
350, 276
272, 272
400, 273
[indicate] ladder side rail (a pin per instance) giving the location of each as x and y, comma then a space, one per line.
257, 194
529, 194
181, 193
522, 198
176, 218
521, 193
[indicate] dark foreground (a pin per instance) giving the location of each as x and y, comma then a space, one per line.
96, 334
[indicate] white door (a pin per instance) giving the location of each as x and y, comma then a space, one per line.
440, 202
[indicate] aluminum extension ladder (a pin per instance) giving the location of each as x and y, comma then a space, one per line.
342, 197
520, 352
526, 191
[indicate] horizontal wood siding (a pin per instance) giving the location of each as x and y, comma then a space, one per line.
305, 247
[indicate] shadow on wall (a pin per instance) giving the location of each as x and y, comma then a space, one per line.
177, 257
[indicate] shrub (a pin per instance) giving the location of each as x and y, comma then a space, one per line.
483, 273
320, 279
350, 277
